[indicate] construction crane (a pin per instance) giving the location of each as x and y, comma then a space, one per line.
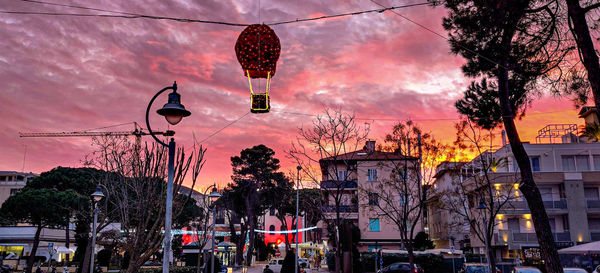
137, 132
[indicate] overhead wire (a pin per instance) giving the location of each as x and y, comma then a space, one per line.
131, 15
222, 128
399, 119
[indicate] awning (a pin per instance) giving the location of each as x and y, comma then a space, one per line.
64, 250
593, 247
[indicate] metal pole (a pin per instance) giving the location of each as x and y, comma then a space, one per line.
168, 209
94, 237
212, 250
297, 202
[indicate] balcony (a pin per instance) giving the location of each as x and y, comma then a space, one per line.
334, 184
532, 237
593, 204
343, 208
549, 204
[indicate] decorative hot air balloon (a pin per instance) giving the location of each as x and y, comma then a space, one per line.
257, 49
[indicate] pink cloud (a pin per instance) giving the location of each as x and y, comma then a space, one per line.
70, 73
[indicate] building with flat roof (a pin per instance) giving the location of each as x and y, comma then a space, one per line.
568, 177
348, 177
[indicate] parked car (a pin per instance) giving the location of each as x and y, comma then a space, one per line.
526, 269
477, 268
304, 263
275, 264
597, 270
400, 268
574, 270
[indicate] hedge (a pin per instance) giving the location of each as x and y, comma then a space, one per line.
430, 263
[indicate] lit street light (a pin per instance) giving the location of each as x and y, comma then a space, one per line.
173, 111
96, 197
213, 197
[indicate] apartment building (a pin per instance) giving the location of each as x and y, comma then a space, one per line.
443, 228
567, 174
11, 182
347, 177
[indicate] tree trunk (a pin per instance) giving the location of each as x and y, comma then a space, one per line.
338, 248
585, 45
67, 239
411, 255
36, 243
527, 184
86, 259
491, 258
251, 237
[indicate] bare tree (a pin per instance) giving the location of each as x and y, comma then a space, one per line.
202, 225
401, 196
135, 179
325, 151
477, 195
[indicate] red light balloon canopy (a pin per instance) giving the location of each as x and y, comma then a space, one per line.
257, 49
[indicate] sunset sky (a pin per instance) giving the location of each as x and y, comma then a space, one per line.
63, 73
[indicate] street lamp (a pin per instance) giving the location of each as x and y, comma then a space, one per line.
213, 197
96, 197
483, 207
297, 220
173, 111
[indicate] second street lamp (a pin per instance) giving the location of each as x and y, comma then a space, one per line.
96, 197
214, 196
173, 111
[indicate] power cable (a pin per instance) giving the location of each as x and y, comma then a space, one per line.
349, 14
397, 119
130, 15
223, 128
440, 35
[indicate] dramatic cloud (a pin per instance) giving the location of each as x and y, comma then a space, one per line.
65, 73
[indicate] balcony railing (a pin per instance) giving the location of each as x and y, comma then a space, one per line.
334, 184
549, 204
593, 203
343, 208
532, 237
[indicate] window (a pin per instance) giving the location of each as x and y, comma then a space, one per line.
373, 199
374, 224
14, 191
590, 193
513, 224
597, 162
372, 175
594, 223
565, 220
401, 200
272, 212
575, 163
272, 228
400, 175
342, 175
546, 193
535, 163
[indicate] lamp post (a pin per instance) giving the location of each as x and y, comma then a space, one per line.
214, 196
173, 111
483, 207
96, 197
297, 202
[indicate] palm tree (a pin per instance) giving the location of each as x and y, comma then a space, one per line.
591, 131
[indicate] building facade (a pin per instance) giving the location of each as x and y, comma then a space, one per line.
356, 182
11, 182
568, 177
